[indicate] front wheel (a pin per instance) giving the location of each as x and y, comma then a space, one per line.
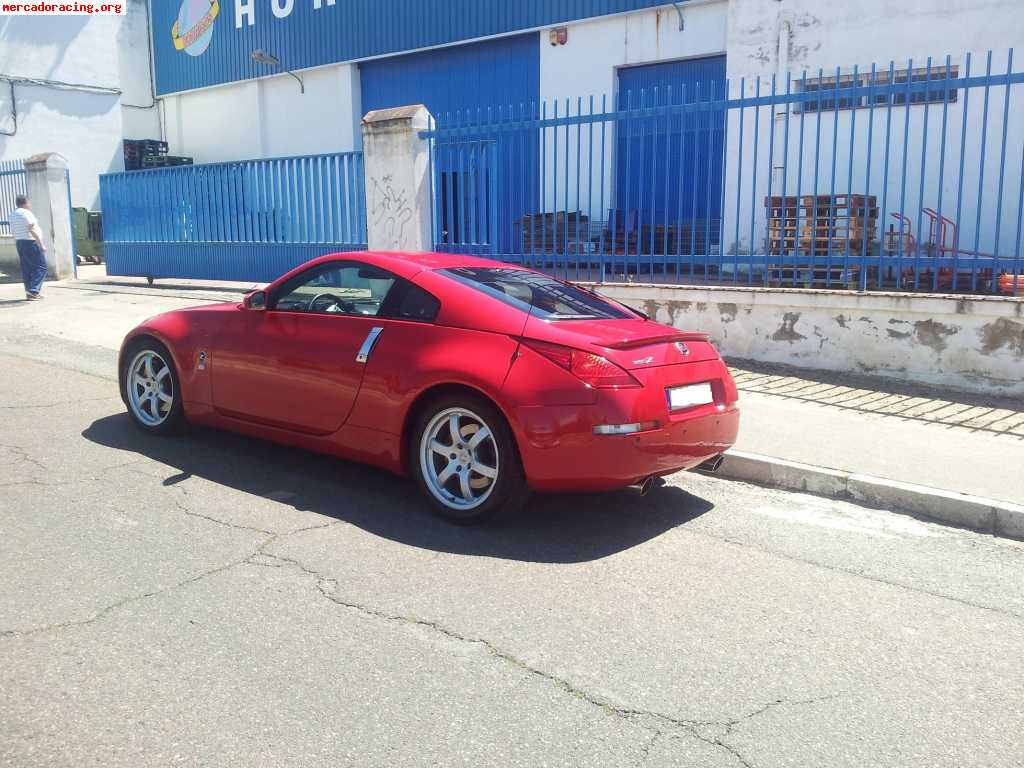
464, 458
150, 387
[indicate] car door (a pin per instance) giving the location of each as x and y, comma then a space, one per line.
299, 363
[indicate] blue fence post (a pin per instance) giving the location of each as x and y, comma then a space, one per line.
1002, 172
981, 173
753, 186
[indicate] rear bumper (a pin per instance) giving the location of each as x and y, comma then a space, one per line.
560, 451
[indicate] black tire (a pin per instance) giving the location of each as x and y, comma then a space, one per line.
509, 492
163, 421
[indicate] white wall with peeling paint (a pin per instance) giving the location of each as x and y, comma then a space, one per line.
586, 68
830, 34
769, 39
973, 344
91, 89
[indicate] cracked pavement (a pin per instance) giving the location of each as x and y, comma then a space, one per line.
211, 600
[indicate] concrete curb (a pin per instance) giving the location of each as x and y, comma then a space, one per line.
998, 518
192, 294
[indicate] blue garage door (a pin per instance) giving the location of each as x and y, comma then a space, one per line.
669, 171
478, 184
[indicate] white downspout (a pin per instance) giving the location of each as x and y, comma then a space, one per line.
782, 68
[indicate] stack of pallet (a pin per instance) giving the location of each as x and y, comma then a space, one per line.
835, 223
619, 235
138, 150
817, 225
165, 161
559, 232
140, 154
808, 227
783, 214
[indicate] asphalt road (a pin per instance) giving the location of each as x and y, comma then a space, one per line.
211, 600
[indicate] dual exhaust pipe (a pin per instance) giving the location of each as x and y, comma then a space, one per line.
711, 465
644, 486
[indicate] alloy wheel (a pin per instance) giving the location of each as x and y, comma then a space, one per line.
150, 388
459, 458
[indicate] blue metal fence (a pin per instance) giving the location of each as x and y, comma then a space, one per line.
12, 184
906, 177
246, 220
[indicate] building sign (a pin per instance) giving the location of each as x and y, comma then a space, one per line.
193, 28
199, 43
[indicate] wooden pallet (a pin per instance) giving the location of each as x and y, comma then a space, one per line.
838, 227
558, 232
839, 247
836, 233
815, 247
808, 276
820, 223
838, 201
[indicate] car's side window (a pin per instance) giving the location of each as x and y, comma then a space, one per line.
410, 302
336, 288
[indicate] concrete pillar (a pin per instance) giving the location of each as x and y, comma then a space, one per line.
46, 181
396, 172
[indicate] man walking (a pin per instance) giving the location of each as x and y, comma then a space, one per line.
31, 251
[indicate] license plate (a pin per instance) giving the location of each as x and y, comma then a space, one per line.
690, 396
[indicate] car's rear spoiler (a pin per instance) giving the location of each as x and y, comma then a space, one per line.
663, 339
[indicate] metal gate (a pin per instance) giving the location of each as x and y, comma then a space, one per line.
12, 184
249, 220
672, 169
466, 201
478, 176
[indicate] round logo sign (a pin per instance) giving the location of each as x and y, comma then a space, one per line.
194, 28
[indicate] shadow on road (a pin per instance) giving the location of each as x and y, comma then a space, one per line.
552, 529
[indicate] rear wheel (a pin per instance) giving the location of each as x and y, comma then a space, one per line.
465, 460
150, 386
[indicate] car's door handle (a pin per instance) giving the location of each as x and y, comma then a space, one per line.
368, 345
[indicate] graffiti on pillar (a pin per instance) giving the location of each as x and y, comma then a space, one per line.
390, 211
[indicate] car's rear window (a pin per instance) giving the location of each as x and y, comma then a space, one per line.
536, 294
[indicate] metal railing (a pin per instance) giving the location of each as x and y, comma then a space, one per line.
903, 177
12, 184
243, 220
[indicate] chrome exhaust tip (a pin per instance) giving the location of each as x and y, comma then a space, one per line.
713, 464
644, 486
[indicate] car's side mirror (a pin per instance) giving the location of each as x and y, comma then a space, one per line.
256, 300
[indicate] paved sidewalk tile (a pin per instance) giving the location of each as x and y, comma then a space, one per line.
950, 441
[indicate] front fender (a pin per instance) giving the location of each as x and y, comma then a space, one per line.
185, 337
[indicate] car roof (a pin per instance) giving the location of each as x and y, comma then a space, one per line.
409, 263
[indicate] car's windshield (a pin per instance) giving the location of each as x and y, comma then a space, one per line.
536, 294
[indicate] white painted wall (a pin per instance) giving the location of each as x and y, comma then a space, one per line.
269, 117
974, 344
830, 34
817, 36
110, 52
587, 66
978, 190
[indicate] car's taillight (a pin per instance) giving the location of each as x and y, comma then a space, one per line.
593, 370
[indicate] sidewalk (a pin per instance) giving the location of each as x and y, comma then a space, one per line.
952, 442
959, 443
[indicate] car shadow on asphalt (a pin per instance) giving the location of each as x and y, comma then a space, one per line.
569, 528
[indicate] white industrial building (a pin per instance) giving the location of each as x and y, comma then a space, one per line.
80, 85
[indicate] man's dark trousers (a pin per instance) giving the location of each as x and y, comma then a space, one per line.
33, 265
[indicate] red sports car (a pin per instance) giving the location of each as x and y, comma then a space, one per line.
481, 379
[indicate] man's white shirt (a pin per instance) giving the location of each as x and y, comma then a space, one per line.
22, 220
